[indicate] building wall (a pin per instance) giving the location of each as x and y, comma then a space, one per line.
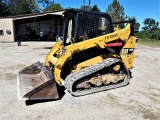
6, 30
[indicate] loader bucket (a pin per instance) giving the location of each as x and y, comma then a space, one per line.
36, 83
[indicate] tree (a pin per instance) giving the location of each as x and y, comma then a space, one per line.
116, 12
3, 8
95, 8
45, 2
86, 7
136, 25
150, 24
52, 7
150, 31
19, 7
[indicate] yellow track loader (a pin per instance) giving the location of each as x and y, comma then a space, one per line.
92, 57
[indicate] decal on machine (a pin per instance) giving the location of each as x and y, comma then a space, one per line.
112, 36
127, 51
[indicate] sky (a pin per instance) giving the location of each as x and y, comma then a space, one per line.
141, 9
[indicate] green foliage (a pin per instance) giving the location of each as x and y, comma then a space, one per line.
45, 2
95, 8
150, 31
3, 8
149, 34
19, 7
155, 34
150, 24
149, 42
86, 7
136, 25
52, 7
116, 11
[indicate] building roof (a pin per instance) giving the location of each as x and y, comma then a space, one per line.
17, 17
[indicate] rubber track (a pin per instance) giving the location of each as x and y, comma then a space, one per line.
72, 78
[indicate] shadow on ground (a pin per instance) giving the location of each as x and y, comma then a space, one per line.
47, 47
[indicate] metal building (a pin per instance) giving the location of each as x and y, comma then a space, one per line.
36, 26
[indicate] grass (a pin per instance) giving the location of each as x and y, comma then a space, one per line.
149, 42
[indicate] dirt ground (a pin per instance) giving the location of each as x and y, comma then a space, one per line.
138, 100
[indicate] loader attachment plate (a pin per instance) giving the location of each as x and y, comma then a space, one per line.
36, 83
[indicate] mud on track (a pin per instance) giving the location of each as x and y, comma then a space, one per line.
139, 100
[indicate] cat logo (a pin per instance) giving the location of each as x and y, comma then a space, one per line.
112, 36
127, 51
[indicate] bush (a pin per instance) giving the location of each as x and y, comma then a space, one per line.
149, 34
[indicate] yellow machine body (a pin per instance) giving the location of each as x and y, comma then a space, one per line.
93, 56
101, 42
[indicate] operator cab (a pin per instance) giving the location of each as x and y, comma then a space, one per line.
80, 25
